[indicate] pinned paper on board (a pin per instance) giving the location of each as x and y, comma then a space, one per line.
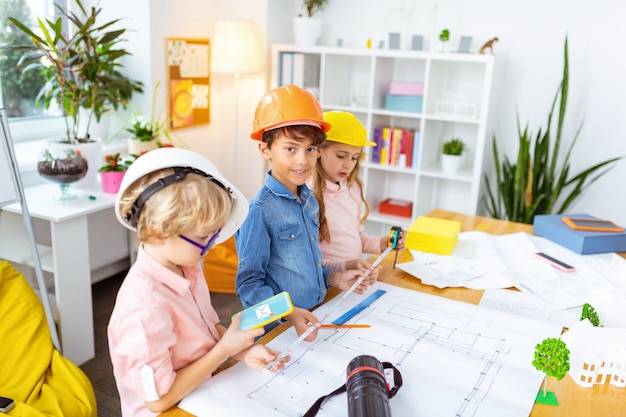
188, 81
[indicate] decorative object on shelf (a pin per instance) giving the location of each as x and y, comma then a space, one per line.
452, 155
488, 45
465, 44
444, 37
307, 29
112, 173
394, 40
82, 71
417, 43
533, 184
63, 163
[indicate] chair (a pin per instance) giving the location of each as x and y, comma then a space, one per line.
220, 267
41, 381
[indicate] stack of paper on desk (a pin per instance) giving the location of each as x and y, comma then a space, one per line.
434, 235
482, 261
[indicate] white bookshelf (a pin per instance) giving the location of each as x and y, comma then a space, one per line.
457, 90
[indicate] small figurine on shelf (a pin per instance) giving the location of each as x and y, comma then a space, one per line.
488, 45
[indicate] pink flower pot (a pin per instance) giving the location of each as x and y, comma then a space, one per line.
111, 181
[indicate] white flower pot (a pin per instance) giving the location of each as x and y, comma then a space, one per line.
135, 147
451, 164
306, 30
92, 151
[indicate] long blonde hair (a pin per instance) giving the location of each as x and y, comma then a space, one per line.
319, 185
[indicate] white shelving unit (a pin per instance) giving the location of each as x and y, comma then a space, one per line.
457, 89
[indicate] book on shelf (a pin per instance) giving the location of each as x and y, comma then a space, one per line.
292, 69
395, 147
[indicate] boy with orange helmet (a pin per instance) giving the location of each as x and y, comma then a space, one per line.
278, 243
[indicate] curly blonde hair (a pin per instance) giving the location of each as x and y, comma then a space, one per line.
191, 204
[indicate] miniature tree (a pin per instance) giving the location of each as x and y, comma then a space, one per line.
444, 36
552, 358
590, 313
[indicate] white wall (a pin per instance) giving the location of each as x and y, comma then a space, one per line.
150, 22
528, 69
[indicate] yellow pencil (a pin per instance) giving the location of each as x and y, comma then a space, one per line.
345, 326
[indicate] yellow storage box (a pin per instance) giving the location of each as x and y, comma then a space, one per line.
429, 234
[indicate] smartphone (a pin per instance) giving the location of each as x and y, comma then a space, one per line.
555, 262
6, 404
593, 225
266, 311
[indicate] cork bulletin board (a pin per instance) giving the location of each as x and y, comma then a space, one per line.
188, 73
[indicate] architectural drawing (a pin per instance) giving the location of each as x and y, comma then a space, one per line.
456, 359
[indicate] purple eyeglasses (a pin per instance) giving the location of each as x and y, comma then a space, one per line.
204, 249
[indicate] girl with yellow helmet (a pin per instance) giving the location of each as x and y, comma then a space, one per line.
339, 192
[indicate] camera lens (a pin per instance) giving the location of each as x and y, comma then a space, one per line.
366, 388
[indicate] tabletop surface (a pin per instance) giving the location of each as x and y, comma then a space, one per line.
41, 203
574, 400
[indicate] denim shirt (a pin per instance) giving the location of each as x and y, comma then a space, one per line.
278, 247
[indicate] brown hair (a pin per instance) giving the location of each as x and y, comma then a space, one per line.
319, 185
179, 208
298, 132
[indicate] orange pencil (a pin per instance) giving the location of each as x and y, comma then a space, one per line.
345, 326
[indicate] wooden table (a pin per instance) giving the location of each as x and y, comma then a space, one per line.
574, 400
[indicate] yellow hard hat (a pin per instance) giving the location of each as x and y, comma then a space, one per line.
288, 105
346, 128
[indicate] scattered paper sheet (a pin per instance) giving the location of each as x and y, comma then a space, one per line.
483, 261
456, 359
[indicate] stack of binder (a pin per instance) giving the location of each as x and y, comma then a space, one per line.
428, 234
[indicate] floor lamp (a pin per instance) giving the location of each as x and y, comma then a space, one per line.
235, 50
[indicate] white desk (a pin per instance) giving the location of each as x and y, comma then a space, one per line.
80, 242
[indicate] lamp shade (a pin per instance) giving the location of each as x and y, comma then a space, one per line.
234, 48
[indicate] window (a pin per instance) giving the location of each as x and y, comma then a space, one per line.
20, 89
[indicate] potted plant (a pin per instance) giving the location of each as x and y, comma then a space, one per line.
538, 178
308, 28
444, 37
144, 132
112, 172
82, 71
452, 155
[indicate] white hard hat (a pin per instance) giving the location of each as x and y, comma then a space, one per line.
176, 157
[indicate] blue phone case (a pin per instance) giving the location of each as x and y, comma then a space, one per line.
266, 311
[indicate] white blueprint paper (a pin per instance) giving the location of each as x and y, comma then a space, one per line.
456, 359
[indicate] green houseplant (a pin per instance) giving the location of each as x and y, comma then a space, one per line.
536, 181
314, 6
454, 146
452, 155
82, 70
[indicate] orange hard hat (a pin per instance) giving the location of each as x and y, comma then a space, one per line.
287, 106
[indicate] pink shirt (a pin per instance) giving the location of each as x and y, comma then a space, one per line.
344, 209
162, 320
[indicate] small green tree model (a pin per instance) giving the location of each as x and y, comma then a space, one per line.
444, 36
552, 358
590, 313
